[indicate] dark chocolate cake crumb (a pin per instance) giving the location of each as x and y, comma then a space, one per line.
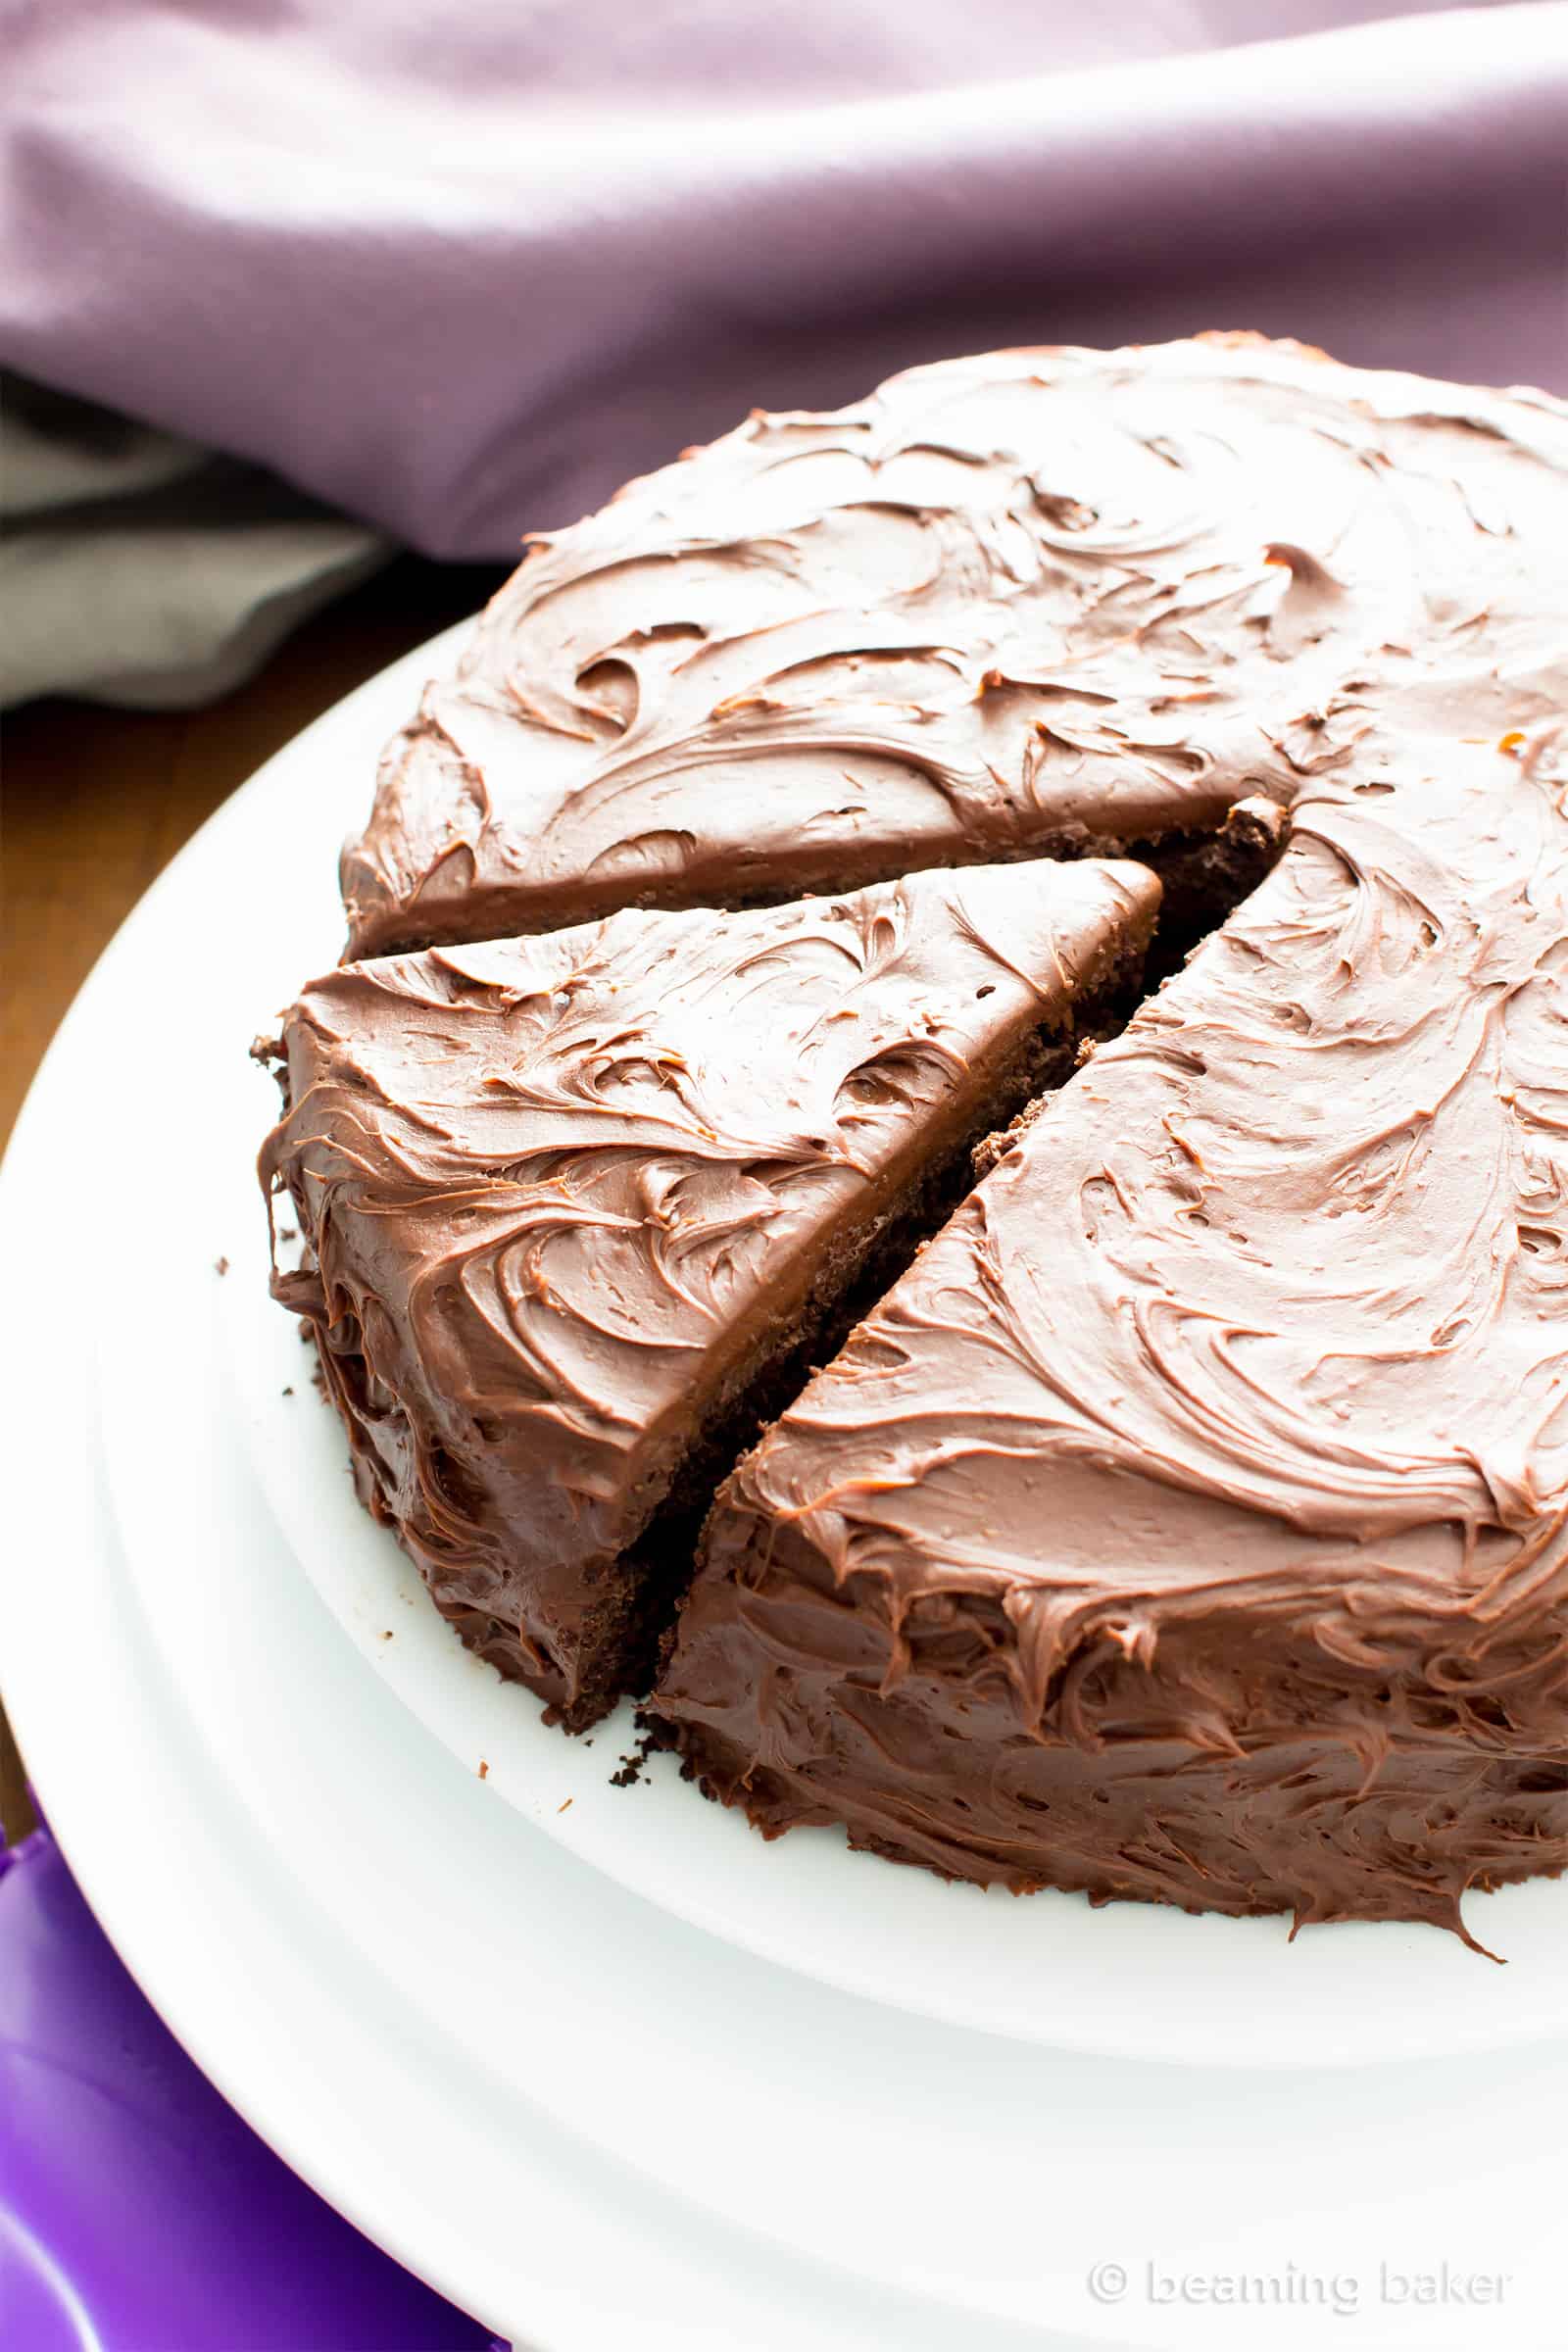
632, 1766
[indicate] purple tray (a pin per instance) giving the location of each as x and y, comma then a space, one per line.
137, 2212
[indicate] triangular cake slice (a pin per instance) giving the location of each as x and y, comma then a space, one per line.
579, 1209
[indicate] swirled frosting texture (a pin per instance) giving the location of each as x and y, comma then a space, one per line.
562, 1194
1026, 604
1191, 1520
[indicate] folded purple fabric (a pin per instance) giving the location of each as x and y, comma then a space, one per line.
137, 2213
459, 270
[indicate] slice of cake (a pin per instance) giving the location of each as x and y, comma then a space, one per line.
578, 1208
1191, 1520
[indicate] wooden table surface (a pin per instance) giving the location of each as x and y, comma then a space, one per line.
98, 801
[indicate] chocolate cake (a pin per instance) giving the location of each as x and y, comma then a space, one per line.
1191, 1520
578, 1208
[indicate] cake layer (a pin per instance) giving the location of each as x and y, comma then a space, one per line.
1032, 604
1191, 1520
568, 1200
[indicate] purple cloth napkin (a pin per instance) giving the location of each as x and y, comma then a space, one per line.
460, 270
137, 2213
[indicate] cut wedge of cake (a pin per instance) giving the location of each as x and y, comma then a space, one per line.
579, 1209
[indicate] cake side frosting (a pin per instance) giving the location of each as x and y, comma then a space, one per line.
558, 1193
1027, 604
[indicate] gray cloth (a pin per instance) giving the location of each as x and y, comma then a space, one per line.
139, 570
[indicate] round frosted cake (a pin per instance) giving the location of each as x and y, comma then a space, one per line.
942, 1146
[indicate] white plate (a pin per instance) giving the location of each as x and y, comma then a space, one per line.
1130, 1979
572, 2111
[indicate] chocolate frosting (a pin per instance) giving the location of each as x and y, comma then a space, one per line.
1026, 604
562, 1194
1192, 1521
